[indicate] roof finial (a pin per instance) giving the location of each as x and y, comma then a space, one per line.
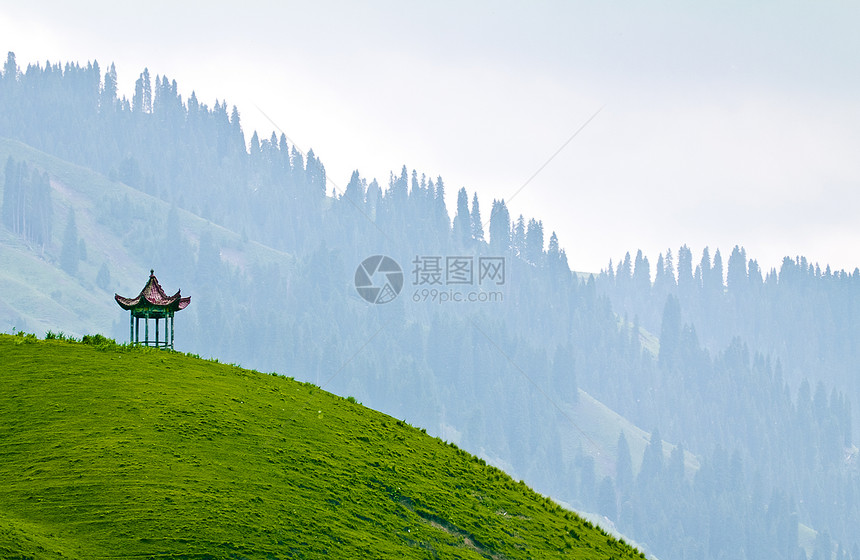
152, 272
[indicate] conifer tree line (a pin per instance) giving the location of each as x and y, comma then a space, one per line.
750, 378
803, 319
180, 151
806, 315
27, 209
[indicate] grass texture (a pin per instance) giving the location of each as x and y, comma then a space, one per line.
108, 451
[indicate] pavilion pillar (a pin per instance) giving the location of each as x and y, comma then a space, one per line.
156, 331
137, 330
131, 328
172, 321
146, 330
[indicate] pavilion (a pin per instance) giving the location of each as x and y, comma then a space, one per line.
152, 303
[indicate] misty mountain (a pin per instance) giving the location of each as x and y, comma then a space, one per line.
749, 380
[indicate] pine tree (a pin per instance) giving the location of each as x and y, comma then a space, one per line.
208, 260
355, 190
442, 219
587, 480
415, 186
82, 250
69, 253
660, 273
716, 275
685, 270
675, 468
563, 265
534, 242
398, 189
297, 163
623, 466
11, 194
477, 225
103, 277
624, 274
41, 210
652, 460
606, 502
556, 258
463, 219
374, 199
27, 208
736, 280
10, 68
147, 91
609, 273
142, 99
564, 375
107, 100
669, 266
236, 140
641, 277
130, 174
500, 228
552, 250
823, 547
670, 332
754, 274
315, 176
518, 237
704, 270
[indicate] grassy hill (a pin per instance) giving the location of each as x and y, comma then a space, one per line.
112, 452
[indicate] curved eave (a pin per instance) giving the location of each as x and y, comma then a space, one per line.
127, 303
175, 303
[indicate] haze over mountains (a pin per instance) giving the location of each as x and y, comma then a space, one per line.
721, 124
706, 413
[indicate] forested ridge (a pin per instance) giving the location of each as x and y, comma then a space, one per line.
754, 374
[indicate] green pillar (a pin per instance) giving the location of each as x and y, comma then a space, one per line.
146, 330
156, 331
172, 321
131, 328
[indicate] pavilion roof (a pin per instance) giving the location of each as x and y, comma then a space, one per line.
153, 295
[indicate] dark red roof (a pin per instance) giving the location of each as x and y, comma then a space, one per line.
154, 295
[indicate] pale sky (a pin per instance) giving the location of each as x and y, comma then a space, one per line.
721, 123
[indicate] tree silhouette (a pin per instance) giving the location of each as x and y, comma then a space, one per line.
69, 254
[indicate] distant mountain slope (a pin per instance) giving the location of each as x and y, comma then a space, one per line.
37, 295
771, 431
109, 452
597, 430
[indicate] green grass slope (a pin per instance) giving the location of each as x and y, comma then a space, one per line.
111, 452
